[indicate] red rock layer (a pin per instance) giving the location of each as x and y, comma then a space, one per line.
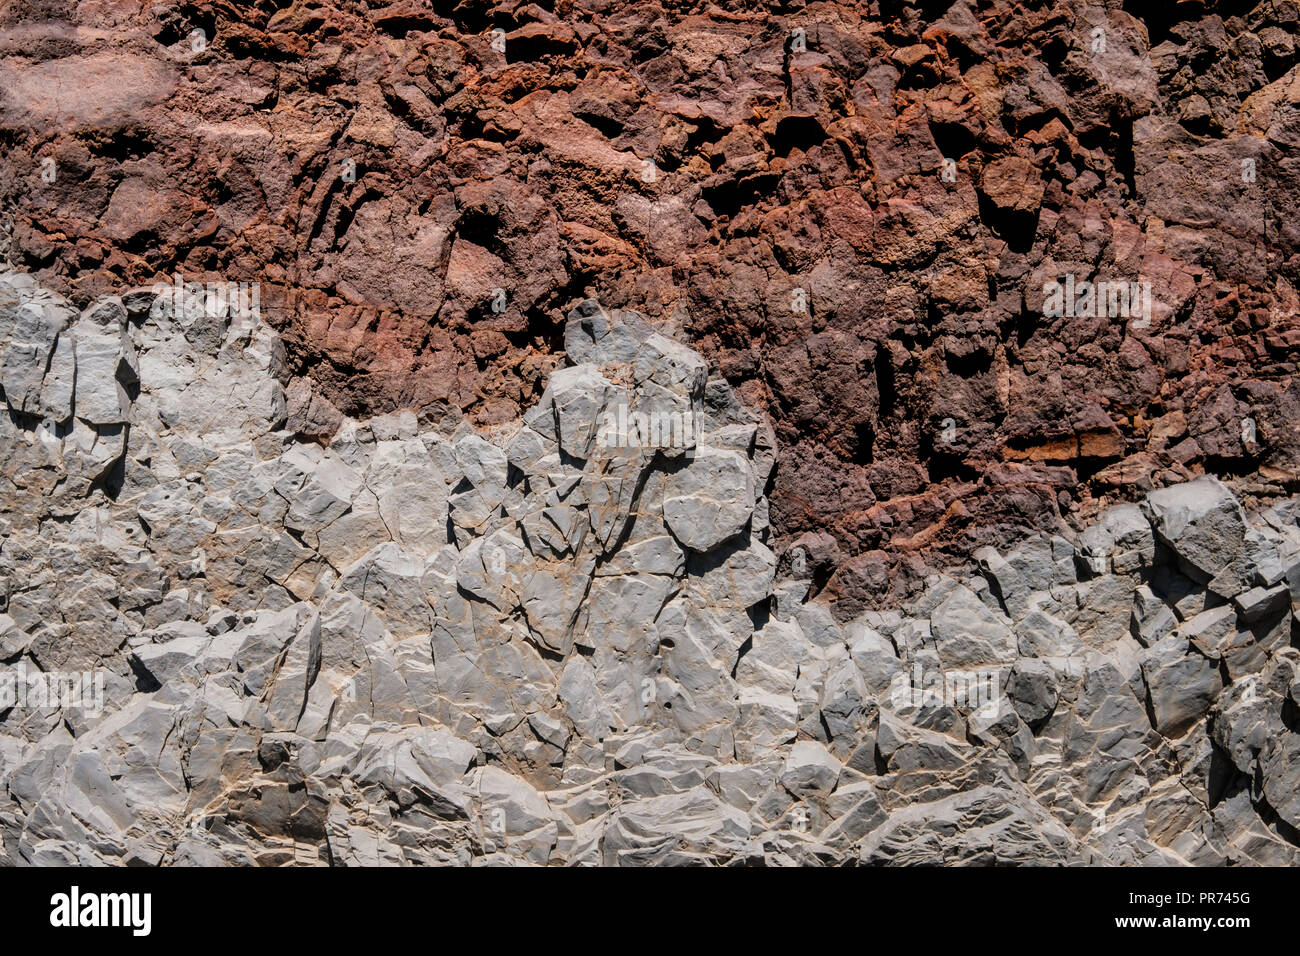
769, 179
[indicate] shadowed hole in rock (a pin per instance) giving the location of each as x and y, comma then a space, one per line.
953, 139
744, 649
145, 683
469, 16
797, 132
1016, 227
482, 228
398, 25
610, 127
1115, 139
538, 46
864, 444
123, 145
729, 197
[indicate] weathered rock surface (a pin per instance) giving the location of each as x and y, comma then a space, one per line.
851, 208
548, 643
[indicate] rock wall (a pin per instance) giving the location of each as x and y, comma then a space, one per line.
562, 640
851, 208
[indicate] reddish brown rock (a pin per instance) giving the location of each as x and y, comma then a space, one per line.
855, 211
1012, 184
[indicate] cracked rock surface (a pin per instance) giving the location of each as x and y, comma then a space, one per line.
424, 642
772, 179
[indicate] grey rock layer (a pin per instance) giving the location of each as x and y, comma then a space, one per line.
564, 643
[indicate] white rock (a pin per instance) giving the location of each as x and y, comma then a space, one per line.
709, 499
810, 769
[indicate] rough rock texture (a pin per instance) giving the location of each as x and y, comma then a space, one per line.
772, 181
537, 644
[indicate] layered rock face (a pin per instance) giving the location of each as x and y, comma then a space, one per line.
563, 640
853, 209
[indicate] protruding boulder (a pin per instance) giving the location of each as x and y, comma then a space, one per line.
1201, 522
1181, 685
709, 499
